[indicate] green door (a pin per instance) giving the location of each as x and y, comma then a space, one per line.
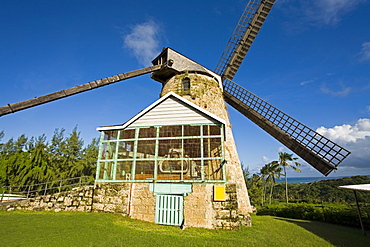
169, 210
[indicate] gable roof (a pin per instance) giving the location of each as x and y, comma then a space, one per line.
171, 109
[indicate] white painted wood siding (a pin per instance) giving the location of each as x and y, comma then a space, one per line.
172, 112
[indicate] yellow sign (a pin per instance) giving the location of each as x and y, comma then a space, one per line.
219, 193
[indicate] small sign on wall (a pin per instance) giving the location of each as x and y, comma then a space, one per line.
219, 193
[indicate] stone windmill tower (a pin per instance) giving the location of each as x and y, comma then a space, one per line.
180, 153
175, 162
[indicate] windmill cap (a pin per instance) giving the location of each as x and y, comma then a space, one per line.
174, 63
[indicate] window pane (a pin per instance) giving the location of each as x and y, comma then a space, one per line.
170, 131
110, 135
125, 150
194, 171
192, 148
123, 171
173, 165
127, 134
186, 84
108, 150
144, 170
213, 170
175, 169
212, 147
191, 130
106, 170
148, 132
211, 130
145, 149
165, 147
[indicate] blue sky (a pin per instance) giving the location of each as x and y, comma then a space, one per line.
311, 60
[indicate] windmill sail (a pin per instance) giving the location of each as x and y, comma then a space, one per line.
243, 36
312, 147
10, 108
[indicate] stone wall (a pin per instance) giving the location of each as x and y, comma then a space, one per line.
78, 199
200, 210
129, 199
135, 200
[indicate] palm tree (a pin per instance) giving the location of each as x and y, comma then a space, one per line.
284, 161
270, 172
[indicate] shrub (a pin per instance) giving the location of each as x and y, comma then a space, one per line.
337, 214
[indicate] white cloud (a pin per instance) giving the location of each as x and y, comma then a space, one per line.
356, 138
143, 41
318, 12
365, 52
347, 133
306, 82
265, 159
328, 11
342, 93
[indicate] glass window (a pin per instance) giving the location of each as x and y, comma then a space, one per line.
186, 85
110, 135
178, 153
213, 170
165, 147
190, 130
125, 150
123, 171
127, 134
213, 130
145, 149
144, 170
212, 147
106, 170
147, 132
170, 131
192, 148
108, 150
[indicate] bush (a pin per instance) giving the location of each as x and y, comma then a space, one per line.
337, 214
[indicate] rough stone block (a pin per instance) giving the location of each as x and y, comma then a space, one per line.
67, 201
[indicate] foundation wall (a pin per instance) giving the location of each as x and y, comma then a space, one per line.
135, 200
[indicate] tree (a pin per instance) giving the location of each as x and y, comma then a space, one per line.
55, 150
36, 169
285, 161
12, 156
255, 187
270, 172
29, 161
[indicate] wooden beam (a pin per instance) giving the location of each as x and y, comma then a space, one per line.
10, 108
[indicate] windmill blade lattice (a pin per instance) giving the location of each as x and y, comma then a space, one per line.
312, 147
243, 36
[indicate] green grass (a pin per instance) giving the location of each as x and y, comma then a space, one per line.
20, 228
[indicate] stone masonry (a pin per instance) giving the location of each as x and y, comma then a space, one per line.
205, 91
78, 199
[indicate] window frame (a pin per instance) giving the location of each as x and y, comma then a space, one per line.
190, 161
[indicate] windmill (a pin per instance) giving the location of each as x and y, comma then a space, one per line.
175, 162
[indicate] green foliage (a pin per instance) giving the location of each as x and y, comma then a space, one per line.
270, 172
326, 191
93, 229
338, 214
255, 188
285, 161
29, 161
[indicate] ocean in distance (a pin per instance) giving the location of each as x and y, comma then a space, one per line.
309, 179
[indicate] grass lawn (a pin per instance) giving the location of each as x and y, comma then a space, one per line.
20, 228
